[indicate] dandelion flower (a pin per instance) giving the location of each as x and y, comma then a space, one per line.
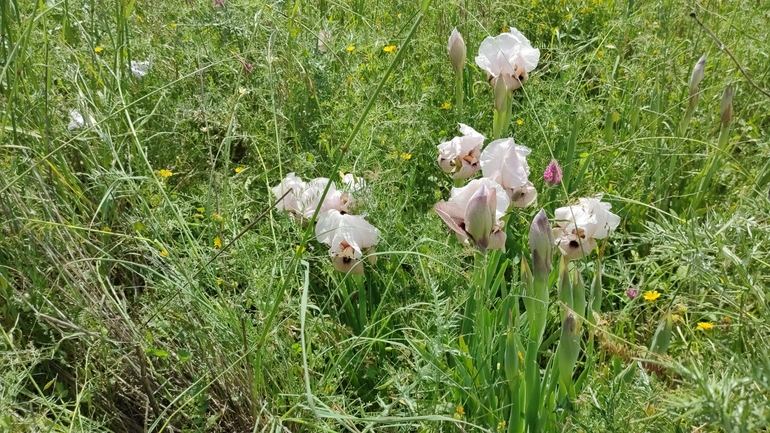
519, 122
705, 326
406, 156
651, 295
98, 49
217, 242
351, 48
164, 253
165, 173
390, 48
239, 169
446, 106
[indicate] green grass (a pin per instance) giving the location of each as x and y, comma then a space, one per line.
120, 313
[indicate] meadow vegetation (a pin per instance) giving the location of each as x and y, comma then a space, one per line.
148, 283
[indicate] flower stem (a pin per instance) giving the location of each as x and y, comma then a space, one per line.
459, 94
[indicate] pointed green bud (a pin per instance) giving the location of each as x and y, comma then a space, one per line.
726, 107
596, 293
569, 348
578, 293
564, 285
501, 95
511, 356
541, 245
662, 337
480, 217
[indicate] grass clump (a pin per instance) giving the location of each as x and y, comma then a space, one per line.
147, 284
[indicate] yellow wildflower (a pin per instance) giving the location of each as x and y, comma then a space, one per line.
173, 25
165, 173
351, 48
297, 248
446, 106
651, 295
501, 425
239, 169
217, 242
406, 156
726, 320
217, 217
460, 410
705, 326
242, 91
219, 281
164, 253
399, 15
519, 122
98, 49
390, 48
106, 229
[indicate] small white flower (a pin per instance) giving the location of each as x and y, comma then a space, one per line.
348, 237
579, 226
323, 38
76, 120
305, 197
505, 162
510, 56
474, 212
140, 69
460, 155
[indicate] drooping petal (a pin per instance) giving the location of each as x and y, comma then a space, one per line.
529, 58
290, 202
523, 196
454, 217
461, 196
573, 247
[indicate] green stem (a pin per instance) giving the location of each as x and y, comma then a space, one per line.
459, 94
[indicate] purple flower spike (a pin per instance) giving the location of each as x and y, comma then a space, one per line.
632, 292
552, 174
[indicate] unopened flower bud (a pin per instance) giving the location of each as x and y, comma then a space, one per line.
480, 217
726, 107
457, 50
552, 174
541, 245
697, 74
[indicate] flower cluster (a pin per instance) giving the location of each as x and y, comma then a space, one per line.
349, 236
475, 212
